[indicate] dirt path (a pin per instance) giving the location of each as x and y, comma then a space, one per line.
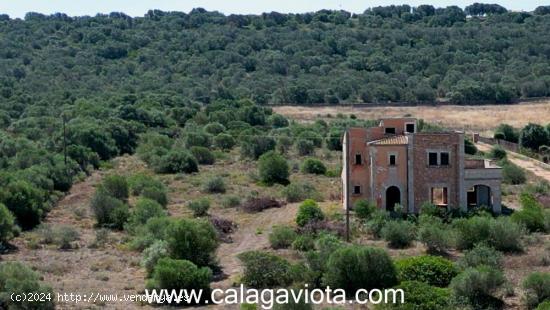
87, 269
538, 168
252, 234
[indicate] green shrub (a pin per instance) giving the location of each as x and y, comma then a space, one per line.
304, 243
25, 203
512, 174
155, 229
264, 270
312, 136
203, 155
294, 304
430, 209
108, 211
253, 146
299, 191
193, 240
435, 235
196, 138
199, 207
157, 194
545, 305
376, 223
313, 166
502, 233
284, 144
8, 229
231, 201
115, 186
506, 235
282, 237
60, 235
277, 121
497, 152
371, 268
531, 216
433, 270
248, 307
532, 136
273, 168
472, 231
469, 147
119, 216
399, 234
419, 295
214, 128
304, 147
363, 209
177, 161
143, 211
507, 133
309, 212
18, 279
528, 201
334, 139
152, 254
174, 274
481, 255
224, 141
477, 285
139, 182
537, 288
317, 260
214, 185
326, 244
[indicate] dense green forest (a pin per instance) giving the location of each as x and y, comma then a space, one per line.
187, 91
76, 91
396, 53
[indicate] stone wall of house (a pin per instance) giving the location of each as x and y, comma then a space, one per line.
359, 173
425, 177
385, 175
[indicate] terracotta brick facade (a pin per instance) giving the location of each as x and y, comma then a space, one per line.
393, 164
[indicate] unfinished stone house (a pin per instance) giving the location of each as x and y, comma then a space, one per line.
393, 164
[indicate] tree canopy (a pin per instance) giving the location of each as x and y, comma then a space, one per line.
391, 53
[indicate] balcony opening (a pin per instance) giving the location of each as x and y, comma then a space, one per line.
439, 196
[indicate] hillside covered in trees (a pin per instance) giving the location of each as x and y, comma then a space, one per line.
397, 53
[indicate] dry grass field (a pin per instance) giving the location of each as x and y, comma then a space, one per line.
470, 118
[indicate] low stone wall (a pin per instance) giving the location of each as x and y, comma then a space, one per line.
507, 145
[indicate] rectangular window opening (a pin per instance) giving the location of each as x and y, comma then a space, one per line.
439, 196
358, 159
444, 159
357, 189
432, 159
390, 130
392, 160
409, 128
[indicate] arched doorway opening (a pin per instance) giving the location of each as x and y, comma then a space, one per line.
393, 197
479, 195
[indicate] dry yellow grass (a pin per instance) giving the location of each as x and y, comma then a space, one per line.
470, 118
